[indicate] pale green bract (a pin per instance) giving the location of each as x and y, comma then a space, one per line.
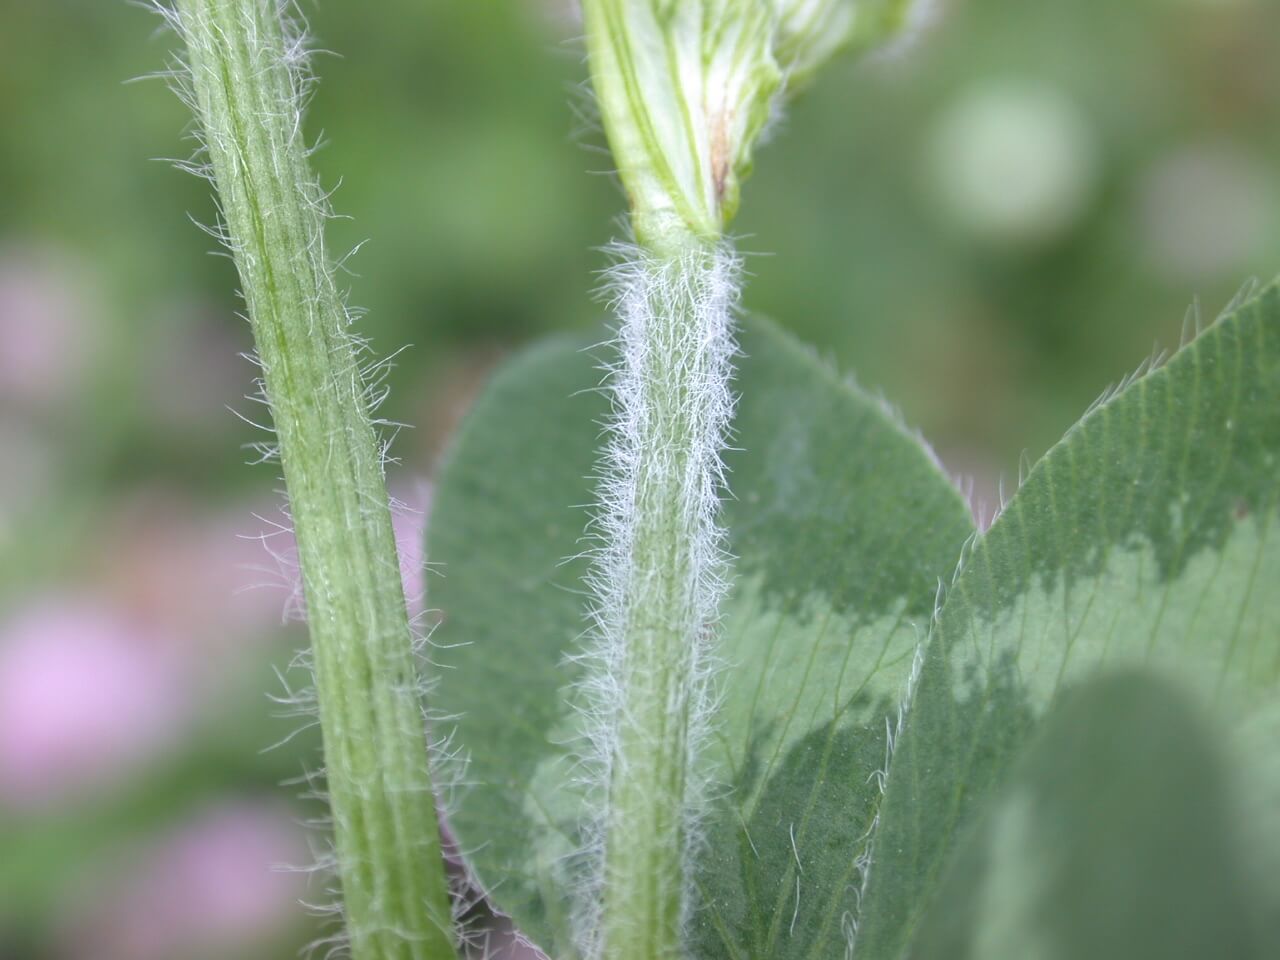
684, 90
686, 87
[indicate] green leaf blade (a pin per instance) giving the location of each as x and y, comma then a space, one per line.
840, 526
1115, 839
1145, 539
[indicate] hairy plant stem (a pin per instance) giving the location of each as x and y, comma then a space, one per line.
685, 90
660, 582
246, 85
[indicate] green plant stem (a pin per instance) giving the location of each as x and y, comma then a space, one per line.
685, 88
678, 143
246, 87
661, 573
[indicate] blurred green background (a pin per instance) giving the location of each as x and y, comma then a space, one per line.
989, 227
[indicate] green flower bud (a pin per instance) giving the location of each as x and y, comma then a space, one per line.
686, 87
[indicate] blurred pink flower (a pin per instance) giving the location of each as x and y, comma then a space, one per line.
85, 697
89, 690
409, 518
28, 468
222, 579
204, 577
44, 326
215, 886
198, 371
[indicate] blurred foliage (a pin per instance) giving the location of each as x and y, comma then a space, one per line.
456, 132
451, 130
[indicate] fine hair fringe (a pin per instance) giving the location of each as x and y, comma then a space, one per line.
674, 349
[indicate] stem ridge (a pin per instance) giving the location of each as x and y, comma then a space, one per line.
244, 77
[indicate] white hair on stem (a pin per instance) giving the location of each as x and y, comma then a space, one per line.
658, 580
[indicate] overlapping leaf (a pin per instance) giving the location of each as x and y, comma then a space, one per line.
1118, 837
1145, 538
840, 526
